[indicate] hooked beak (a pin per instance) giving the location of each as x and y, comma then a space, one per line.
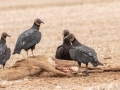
42, 22
65, 37
63, 33
8, 35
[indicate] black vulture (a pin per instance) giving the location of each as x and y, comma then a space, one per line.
82, 53
29, 38
65, 33
5, 52
62, 51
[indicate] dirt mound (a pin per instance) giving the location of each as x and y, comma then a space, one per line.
30, 67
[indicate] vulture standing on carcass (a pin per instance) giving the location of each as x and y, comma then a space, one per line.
82, 53
29, 38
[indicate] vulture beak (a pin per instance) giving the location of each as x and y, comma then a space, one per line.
63, 33
42, 22
65, 37
8, 35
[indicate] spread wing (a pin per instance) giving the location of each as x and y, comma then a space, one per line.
59, 52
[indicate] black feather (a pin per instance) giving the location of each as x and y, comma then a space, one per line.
84, 54
28, 39
62, 51
5, 52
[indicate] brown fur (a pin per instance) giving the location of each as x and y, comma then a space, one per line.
30, 66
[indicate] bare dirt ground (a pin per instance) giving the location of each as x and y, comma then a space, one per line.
94, 22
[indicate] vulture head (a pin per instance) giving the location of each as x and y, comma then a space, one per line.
65, 33
38, 21
70, 36
4, 35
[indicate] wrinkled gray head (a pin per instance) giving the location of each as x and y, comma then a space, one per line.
70, 36
38, 21
65, 33
96, 63
4, 35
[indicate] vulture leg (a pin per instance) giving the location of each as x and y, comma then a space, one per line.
32, 48
3, 65
27, 53
79, 64
87, 69
32, 53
